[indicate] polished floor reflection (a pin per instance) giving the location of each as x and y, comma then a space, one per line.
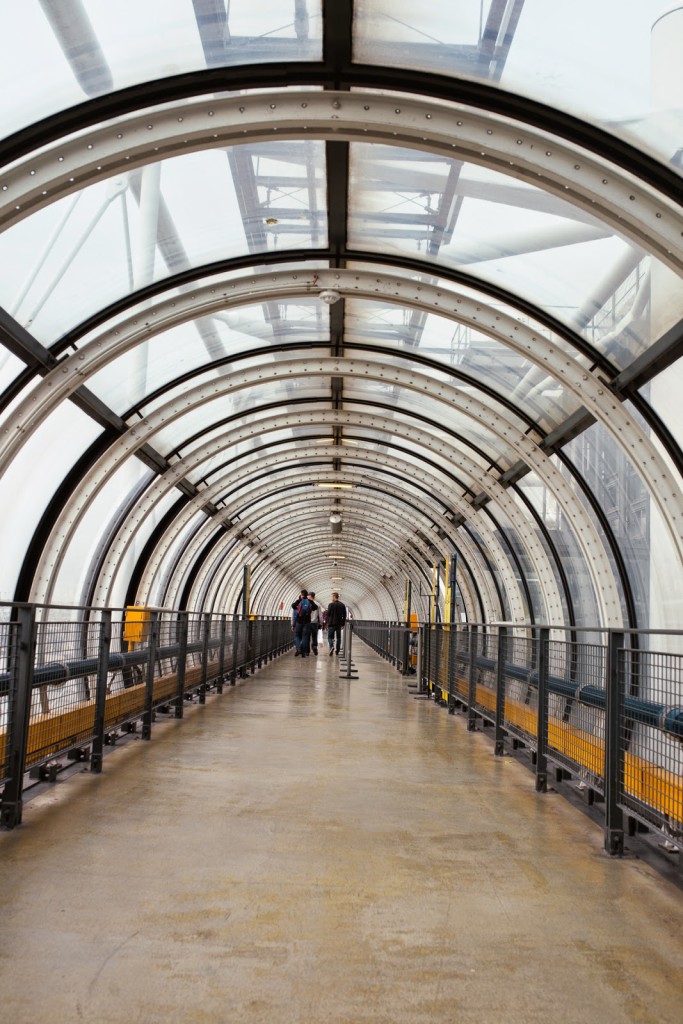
307, 848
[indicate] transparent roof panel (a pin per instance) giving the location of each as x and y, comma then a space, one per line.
562, 533
613, 63
664, 395
474, 356
52, 59
234, 339
100, 245
509, 234
55, 447
472, 432
239, 407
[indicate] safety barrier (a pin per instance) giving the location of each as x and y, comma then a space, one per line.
393, 641
70, 679
600, 706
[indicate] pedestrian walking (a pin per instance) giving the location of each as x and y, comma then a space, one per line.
336, 620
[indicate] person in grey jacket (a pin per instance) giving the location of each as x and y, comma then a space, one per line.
316, 621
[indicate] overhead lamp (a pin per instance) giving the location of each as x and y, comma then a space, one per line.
335, 523
329, 296
338, 487
336, 579
336, 556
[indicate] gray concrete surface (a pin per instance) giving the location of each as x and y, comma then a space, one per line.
310, 849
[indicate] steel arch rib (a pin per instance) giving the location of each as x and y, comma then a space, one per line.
620, 199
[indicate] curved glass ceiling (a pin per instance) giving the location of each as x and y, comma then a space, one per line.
87, 48
612, 62
418, 267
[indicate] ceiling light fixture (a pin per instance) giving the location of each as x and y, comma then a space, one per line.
339, 487
330, 296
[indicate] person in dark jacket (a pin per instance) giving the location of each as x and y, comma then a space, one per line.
297, 627
336, 619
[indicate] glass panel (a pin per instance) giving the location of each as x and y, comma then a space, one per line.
563, 538
664, 395
35, 474
127, 563
475, 355
612, 63
498, 589
241, 404
626, 504
464, 426
88, 250
403, 420
74, 573
157, 592
508, 234
10, 368
281, 440
180, 351
52, 59
520, 563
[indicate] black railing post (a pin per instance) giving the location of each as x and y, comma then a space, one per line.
542, 711
420, 659
250, 660
221, 656
452, 646
104, 647
235, 648
614, 819
436, 682
206, 633
500, 691
21, 683
152, 640
472, 681
182, 628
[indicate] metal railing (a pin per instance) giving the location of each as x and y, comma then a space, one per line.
70, 679
393, 641
604, 707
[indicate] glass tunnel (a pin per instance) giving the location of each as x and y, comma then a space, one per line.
348, 293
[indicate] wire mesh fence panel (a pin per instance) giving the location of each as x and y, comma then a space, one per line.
215, 633
576, 710
126, 686
431, 655
62, 714
443, 638
485, 664
166, 663
195, 635
9, 632
260, 639
461, 670
650, 785
520, 715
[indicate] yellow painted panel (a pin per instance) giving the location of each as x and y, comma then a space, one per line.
136, 624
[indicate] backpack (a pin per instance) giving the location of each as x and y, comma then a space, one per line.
303, 611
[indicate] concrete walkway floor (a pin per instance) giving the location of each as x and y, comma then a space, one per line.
310, 849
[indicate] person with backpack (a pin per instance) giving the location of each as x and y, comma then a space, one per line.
316, 621
302, 626
295, 605
336, 619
